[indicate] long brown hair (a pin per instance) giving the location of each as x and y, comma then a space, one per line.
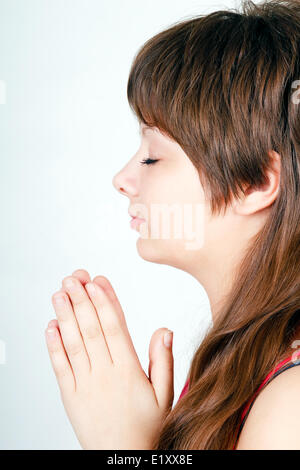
223, 86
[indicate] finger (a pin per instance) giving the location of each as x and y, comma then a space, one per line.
161, 371
59, 360
105, 284
82, 275
118, 339
88, 322
70, 334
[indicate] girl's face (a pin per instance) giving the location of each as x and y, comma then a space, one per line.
179, 229
158, 193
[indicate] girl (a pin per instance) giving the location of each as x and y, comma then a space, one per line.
218, 107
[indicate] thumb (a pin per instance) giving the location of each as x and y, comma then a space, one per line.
161, 368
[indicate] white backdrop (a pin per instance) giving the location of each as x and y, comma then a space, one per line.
66, 129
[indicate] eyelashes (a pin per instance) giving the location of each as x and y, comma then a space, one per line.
148, 161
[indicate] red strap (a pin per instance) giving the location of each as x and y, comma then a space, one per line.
273, 371
185, 389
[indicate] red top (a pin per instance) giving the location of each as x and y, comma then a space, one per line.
280, 367
185, 389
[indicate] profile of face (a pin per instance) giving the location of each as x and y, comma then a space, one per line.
179, 229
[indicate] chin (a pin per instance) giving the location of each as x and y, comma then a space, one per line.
158, 251
170, 253
150, 250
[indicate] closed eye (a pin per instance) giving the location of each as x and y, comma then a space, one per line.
148, 161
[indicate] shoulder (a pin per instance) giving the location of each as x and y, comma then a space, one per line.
273, 421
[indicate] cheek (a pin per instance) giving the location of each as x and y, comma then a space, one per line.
182, 191
171, 191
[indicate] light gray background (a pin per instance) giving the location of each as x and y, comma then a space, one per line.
66, 129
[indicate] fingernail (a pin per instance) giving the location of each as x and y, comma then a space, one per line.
69, 283
51, 332
168, 337
91, 288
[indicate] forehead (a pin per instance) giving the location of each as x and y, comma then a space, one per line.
144, 129
156, 133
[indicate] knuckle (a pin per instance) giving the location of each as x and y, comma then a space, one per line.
62, 315
80, 299
91, 331
112, 329
61, 372
76, 301
54, 349
74, 348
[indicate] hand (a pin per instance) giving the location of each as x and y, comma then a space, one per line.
110, 401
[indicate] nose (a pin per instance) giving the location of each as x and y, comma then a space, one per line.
124, 184
117, 184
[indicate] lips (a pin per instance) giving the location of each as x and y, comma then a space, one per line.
135, 222
134, 216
